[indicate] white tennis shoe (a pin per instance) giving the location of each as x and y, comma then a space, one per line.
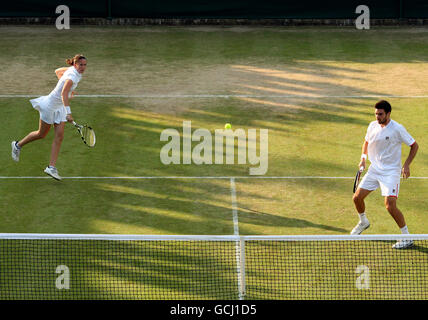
403, 244
360, 227
53, 172
15, 151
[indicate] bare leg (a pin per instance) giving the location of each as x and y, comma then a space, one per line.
35, 135
56, 144
391, 206
358, 199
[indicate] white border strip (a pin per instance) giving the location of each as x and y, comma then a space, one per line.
52, 236
227, 96
339, 237
131, 237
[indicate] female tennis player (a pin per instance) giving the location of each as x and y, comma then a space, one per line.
55, 110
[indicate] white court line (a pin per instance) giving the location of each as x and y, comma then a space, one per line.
234, 207
227, 96
239, 246
188, 177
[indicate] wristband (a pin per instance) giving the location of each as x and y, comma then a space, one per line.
68, 110
364, 156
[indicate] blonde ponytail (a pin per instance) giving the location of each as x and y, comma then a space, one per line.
75, 59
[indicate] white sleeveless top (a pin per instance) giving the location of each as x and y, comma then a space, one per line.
54, 99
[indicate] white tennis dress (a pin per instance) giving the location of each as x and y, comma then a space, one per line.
51, 107
384, 153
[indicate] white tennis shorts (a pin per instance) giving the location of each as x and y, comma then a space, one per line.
48, 113
389, 184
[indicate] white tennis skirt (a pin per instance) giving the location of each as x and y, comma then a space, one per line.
49, 113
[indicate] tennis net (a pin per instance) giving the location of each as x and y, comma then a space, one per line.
50, 266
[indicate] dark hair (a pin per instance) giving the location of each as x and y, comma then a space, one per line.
382, 104
75, 59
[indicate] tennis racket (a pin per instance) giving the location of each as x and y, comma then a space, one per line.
87, 134
357, 178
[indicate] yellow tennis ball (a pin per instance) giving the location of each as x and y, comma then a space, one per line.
227, 126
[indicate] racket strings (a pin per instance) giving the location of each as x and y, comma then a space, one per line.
89, 136
85, 133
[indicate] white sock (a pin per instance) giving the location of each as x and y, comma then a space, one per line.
404, 230
363, 217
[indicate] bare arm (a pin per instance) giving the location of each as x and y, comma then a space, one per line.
60, 71
65, 99
363, 151
405, 171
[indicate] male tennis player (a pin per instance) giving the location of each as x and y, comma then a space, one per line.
55, 109
383, 146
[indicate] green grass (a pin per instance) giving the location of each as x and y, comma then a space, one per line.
128, 144
307, 136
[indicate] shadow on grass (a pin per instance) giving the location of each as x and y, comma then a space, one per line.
249, 216
419, 248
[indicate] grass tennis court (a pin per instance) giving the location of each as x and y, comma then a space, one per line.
312, 88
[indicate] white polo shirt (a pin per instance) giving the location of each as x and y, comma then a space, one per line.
54, 98
384, 146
